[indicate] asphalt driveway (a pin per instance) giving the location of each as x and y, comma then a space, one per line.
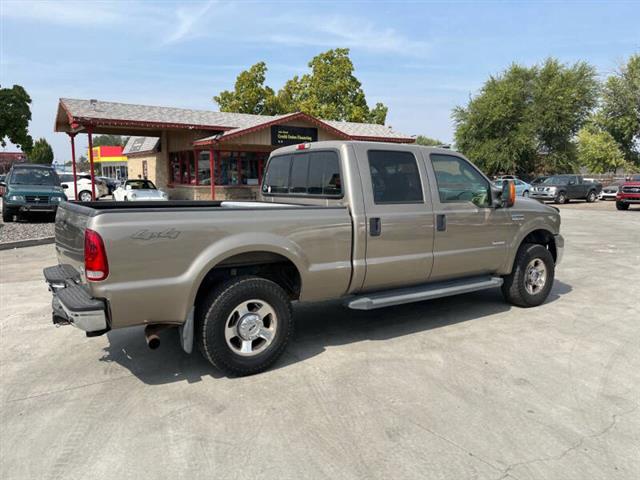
466, 387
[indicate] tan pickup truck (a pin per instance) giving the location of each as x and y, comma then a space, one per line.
374, 224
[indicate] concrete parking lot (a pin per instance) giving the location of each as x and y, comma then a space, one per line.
466, 387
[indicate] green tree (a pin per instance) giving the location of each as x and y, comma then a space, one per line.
598, 151
15, 114
249, 95
109, 140
495, 129
41, 152
620, 112
526, 118
428, 141
330, 91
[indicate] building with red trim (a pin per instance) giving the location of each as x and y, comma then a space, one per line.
112, 162
182, 150
9, 158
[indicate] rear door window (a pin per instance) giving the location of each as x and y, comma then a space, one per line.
395, 177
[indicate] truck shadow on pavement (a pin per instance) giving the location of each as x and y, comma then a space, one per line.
318, 326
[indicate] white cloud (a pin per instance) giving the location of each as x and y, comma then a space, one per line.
189, 21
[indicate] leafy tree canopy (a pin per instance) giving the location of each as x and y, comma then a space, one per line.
598, 151
620, 112
526, 118
109, 140
428, 141
330, 91
41, 152
249, 95
15, 114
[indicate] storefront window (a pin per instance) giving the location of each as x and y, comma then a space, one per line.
204, 168
231, 168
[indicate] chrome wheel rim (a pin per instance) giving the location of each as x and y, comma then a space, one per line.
535, 276
251, 328
85, 197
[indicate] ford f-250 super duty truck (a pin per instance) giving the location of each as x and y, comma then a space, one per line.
375, 224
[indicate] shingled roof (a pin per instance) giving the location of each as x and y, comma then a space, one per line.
100, 113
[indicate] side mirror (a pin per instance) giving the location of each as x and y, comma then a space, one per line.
128, 187
508, 193
64, 186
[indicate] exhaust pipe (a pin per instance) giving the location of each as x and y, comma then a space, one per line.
151, 334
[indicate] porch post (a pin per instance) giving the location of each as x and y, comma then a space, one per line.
212, 166
93, 178
72, 136
195, 162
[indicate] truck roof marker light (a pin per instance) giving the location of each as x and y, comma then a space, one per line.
303, 146
96, 267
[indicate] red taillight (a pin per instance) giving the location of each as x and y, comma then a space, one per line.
303, 146
96, 267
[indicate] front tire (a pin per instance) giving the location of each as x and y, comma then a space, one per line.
622, 205
244, 325
7, 214
525, 194
531, 280
561, 198
591, 197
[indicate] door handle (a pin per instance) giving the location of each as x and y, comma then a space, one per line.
441, 222
375, 227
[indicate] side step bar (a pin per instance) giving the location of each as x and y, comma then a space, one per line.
371, 301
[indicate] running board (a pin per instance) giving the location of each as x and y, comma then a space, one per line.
419, 293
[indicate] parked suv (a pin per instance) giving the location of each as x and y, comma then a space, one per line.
629, 193
30, 188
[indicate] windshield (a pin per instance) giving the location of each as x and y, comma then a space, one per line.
34, 176
555, 181
635, 178
141, 185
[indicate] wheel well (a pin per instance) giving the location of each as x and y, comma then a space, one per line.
545, 238
271, 266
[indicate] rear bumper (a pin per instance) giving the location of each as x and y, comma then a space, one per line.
72, 304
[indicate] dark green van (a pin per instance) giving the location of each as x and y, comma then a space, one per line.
30, 188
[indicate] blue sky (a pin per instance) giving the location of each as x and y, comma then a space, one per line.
420, 58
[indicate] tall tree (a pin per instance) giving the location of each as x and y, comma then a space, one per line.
250, 95
526, 118
41, 152
620, 112
330, 91
495, 129
15, 114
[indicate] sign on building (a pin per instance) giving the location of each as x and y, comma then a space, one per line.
282, 135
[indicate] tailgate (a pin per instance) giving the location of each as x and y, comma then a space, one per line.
71, 222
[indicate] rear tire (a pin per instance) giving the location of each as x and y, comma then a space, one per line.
84, 196
244, 325
7, 214
622, 205
531, 280
591, 197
